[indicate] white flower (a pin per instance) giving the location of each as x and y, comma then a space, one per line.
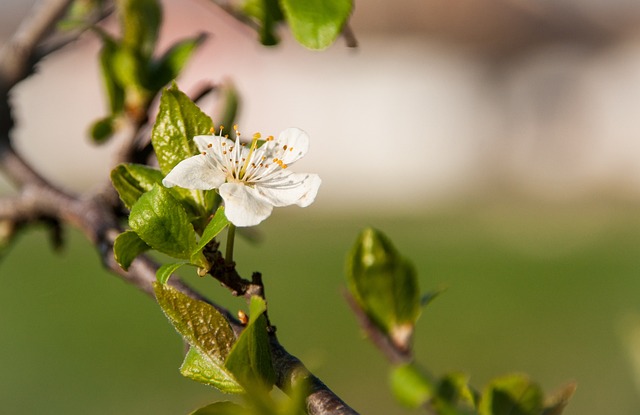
250, 180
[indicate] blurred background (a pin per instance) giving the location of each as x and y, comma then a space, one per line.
496, 142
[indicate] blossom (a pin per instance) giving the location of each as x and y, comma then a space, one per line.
252, 180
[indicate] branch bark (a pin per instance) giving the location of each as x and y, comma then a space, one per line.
39, 200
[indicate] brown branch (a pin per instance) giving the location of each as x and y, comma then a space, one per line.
16, 56
96, 216
100, 226
38, 200
391, 351
349, 36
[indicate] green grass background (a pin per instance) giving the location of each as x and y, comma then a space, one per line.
549, 291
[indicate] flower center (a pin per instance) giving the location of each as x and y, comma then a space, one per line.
260, 162
252, 149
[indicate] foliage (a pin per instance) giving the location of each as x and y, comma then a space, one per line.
315, 24
131, 74
184, 225
385, 289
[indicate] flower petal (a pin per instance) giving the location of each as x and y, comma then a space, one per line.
243, 204
291, 145
294, 188
195, 173
205, 142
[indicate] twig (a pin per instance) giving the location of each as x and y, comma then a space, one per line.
231, 10
39, 200
349, 36
58, 42
16, 57
393, 354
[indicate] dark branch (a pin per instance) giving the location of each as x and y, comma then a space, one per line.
95, 215
16, 57
393, 354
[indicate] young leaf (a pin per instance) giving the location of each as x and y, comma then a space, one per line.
128, 69
511, 395
385, 286
411, 387
127, 247
102, 129
168, 66
214, 227
221, 408
78, 15
115, 91
178, 121
267, 13
208, 333
454, 390
161, 221
133, 180
203, 369
140, 21
316, 23
250, 357
164, 272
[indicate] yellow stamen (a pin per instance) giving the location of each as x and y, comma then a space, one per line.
254, 145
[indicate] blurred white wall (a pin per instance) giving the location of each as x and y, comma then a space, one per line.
417, 116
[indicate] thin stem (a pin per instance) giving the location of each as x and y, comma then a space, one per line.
231, 236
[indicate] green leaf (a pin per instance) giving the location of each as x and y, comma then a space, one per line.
178, 121
385, 286
128, 69
214, 227
115, 91
140, 21
511, 395
133, 180
454, 390
267, 14
164, 272
161, 221
127, 247
410, 386
297, 404
168, 66
102, 129
250, 357
204, 369
78, 15
208, 333
316, 24
221, 408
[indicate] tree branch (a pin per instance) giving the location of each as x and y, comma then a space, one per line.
393, 354
101, 228
16, 55
39, 200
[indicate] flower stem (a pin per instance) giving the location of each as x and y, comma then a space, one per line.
231, 236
